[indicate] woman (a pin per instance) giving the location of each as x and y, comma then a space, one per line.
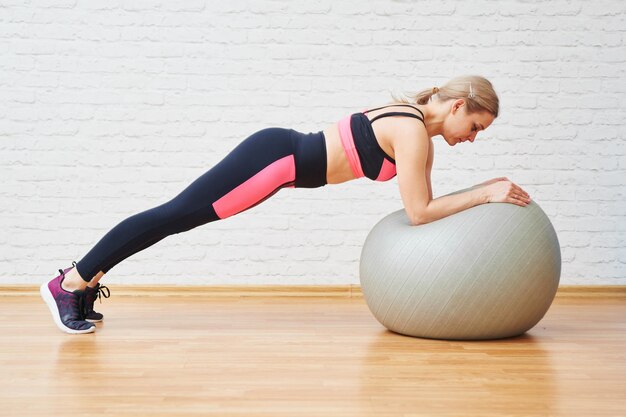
378, 143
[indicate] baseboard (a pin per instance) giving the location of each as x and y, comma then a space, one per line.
337, 291
609, 291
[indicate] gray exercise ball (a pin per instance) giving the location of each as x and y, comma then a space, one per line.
487, 272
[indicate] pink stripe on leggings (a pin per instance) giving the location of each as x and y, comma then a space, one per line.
257, 187
348, 146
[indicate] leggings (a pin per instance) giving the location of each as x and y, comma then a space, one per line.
262, 164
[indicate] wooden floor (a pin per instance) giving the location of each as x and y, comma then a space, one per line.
273, 356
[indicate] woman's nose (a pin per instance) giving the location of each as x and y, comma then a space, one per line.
473, 137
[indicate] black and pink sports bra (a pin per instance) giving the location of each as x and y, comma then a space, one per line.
366, 157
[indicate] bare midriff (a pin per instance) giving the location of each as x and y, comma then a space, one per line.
337, 166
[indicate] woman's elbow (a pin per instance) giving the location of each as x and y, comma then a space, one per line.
418, 222
417, 219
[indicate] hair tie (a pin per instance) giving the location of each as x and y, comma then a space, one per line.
435, 90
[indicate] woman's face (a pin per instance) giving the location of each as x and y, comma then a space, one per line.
458, 126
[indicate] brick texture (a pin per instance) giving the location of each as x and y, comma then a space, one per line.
111, 108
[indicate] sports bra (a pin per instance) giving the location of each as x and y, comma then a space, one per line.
366, 157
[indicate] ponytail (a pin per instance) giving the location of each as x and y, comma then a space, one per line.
477, 92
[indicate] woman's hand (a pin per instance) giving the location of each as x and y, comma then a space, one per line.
504, 191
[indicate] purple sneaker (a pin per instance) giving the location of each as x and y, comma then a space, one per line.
90, 297
67, 308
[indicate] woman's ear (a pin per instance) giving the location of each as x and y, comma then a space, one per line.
457, 105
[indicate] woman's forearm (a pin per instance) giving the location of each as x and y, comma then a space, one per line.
453, 203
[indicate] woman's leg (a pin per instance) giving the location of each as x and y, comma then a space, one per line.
94, 281
252, 172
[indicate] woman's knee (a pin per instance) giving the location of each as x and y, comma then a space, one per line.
179, 215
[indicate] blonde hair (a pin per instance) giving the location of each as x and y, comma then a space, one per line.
477, 92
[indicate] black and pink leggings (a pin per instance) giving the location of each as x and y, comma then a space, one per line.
266, 161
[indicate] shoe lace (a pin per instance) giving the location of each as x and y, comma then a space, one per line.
101, 292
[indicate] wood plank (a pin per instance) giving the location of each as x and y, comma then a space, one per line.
320, 356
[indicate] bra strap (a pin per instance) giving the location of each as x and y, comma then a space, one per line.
398, 114
394, 105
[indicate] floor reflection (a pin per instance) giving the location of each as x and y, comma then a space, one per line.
404, 374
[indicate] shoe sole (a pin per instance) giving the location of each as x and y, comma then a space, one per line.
52, 305
93, 320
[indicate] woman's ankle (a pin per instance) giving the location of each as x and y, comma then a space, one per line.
94, 281
73, 281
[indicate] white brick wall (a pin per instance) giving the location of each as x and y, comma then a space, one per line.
111, 108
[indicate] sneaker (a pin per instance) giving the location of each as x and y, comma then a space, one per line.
67, 308
90, 296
